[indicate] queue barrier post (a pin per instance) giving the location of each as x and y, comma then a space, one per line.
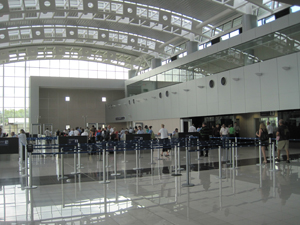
115, 163
29, 150
62, 167
187, 184
104, 181
236, 156
220, 164
272, 162
259, 148
151, 151
136, 158
75, 161
124, 161
176, 149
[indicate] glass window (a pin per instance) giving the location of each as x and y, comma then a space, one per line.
19, 92
110, 68
54, 72
83, 73
119, 75
54, 63
225, 37
83, 65
295, 8
45, 72
9, 102
270, 19
34, 71
20, 102
19, 81
111, 75
102, 74
93, 66
65, 64
9, 71
9, 81
74, 73
19, 72
74, 64
64, 73
103, 99
34, 63
93, 74
44, 63
234, 33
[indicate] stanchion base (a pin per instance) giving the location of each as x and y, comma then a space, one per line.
176, 174
104, 182
188, 185
32, 187
115, 174
62, 178
137, 168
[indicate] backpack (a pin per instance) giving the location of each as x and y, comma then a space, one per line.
152, 135
264, 135
99, 136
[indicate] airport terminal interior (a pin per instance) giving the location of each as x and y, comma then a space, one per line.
120, 64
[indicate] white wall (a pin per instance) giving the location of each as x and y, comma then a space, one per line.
277, 89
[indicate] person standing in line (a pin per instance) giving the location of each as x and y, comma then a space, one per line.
163, 132
237, 129
175, 133
216, 131
192, 128
140, 130
270, 129
205, 132
283, 143
231, 131
224, 134
22, 142
1, 133
262, 133
48, 135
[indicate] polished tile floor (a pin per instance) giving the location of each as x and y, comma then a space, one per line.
250, 194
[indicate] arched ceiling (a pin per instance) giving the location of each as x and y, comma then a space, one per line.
126, 33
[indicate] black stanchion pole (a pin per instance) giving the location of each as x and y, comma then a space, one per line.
187, 184
115, 163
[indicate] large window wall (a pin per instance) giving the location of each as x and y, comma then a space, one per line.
14, 84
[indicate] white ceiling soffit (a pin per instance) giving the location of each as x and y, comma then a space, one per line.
130, 27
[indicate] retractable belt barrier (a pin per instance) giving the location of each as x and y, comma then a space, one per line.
191, 144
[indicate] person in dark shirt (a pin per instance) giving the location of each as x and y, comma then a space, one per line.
283, 142
204, 133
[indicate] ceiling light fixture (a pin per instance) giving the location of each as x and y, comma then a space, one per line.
174, 92
259, 74
201, 86
186, 89
286, 68
236, 79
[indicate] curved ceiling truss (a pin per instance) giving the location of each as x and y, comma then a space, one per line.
48, 52
116, 26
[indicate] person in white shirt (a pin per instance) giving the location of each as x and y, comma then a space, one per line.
163, 132
71, 133
48, 133
192, 128
140, 131
224, 134
76, 133
22, 142
270, 129
85, 133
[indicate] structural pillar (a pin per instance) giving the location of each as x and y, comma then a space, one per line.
191, 46
131, 73
248, 22
156, 62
